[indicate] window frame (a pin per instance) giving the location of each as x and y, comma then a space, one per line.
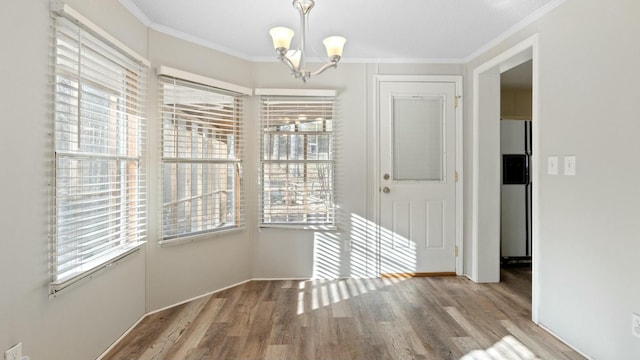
87, 106
194, 82
305, 98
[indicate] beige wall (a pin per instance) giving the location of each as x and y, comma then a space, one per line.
589, 78
86, 319
588, 239
83, 321
182, 271
349, 251
303, 253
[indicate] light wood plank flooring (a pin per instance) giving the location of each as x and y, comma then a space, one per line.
417, 318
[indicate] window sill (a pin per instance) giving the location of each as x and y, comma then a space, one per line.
300, 227
56, 287
200, 237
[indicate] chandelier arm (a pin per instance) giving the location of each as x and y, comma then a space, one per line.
288, 62
325, 67
297, 60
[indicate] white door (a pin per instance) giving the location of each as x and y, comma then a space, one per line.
417, 177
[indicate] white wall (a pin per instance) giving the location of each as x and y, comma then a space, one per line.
589, 228
84, 320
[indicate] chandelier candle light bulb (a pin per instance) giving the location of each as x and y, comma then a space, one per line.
281, 37
295, 59
334, 46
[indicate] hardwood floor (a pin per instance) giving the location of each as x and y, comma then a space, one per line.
416, 318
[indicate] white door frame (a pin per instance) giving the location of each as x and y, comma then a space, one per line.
457, 80
523, 51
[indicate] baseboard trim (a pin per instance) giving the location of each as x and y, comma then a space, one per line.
415, 275
166, 308
282, 279
384, 276
197, 297
396, 275
121, 337
563, 341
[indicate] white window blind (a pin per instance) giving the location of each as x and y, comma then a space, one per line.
99, 190
297, 161
202, 143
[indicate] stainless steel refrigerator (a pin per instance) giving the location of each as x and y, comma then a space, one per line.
516, 191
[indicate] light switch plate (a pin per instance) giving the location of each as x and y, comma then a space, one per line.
635, 325
552, 165
570, 165
15, 353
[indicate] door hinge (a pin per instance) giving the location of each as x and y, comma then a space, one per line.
456, 250
456, 176
457, 98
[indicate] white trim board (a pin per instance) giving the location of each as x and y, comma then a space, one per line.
184, 75
563, 341
548, 7
295, 92
115, 343
132, 327
63, 9
118, 340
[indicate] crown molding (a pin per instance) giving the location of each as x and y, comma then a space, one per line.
548, 7
135, 11
198, 41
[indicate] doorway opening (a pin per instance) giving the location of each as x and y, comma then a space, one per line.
516, 188
487, 163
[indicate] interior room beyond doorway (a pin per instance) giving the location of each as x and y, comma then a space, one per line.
516, 192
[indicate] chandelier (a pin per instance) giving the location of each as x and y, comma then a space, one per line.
295, 59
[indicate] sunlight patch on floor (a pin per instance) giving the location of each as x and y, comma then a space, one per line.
318, 293
508, 348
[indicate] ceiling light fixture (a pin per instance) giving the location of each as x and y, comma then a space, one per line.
295, 59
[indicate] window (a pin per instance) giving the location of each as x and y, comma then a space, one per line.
99, 191
297, 160
201, 158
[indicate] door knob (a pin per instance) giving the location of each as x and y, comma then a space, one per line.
385, 176
386, 190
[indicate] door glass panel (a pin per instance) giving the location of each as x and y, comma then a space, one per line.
418, 133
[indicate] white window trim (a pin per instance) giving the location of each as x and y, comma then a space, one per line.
300, 93
199, 79
201, 237
55, 288
166, 71
61, 9
295, 92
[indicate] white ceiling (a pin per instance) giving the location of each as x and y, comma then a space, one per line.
376, 30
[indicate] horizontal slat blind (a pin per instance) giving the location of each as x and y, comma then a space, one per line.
297, 160
201, 159
99, 207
